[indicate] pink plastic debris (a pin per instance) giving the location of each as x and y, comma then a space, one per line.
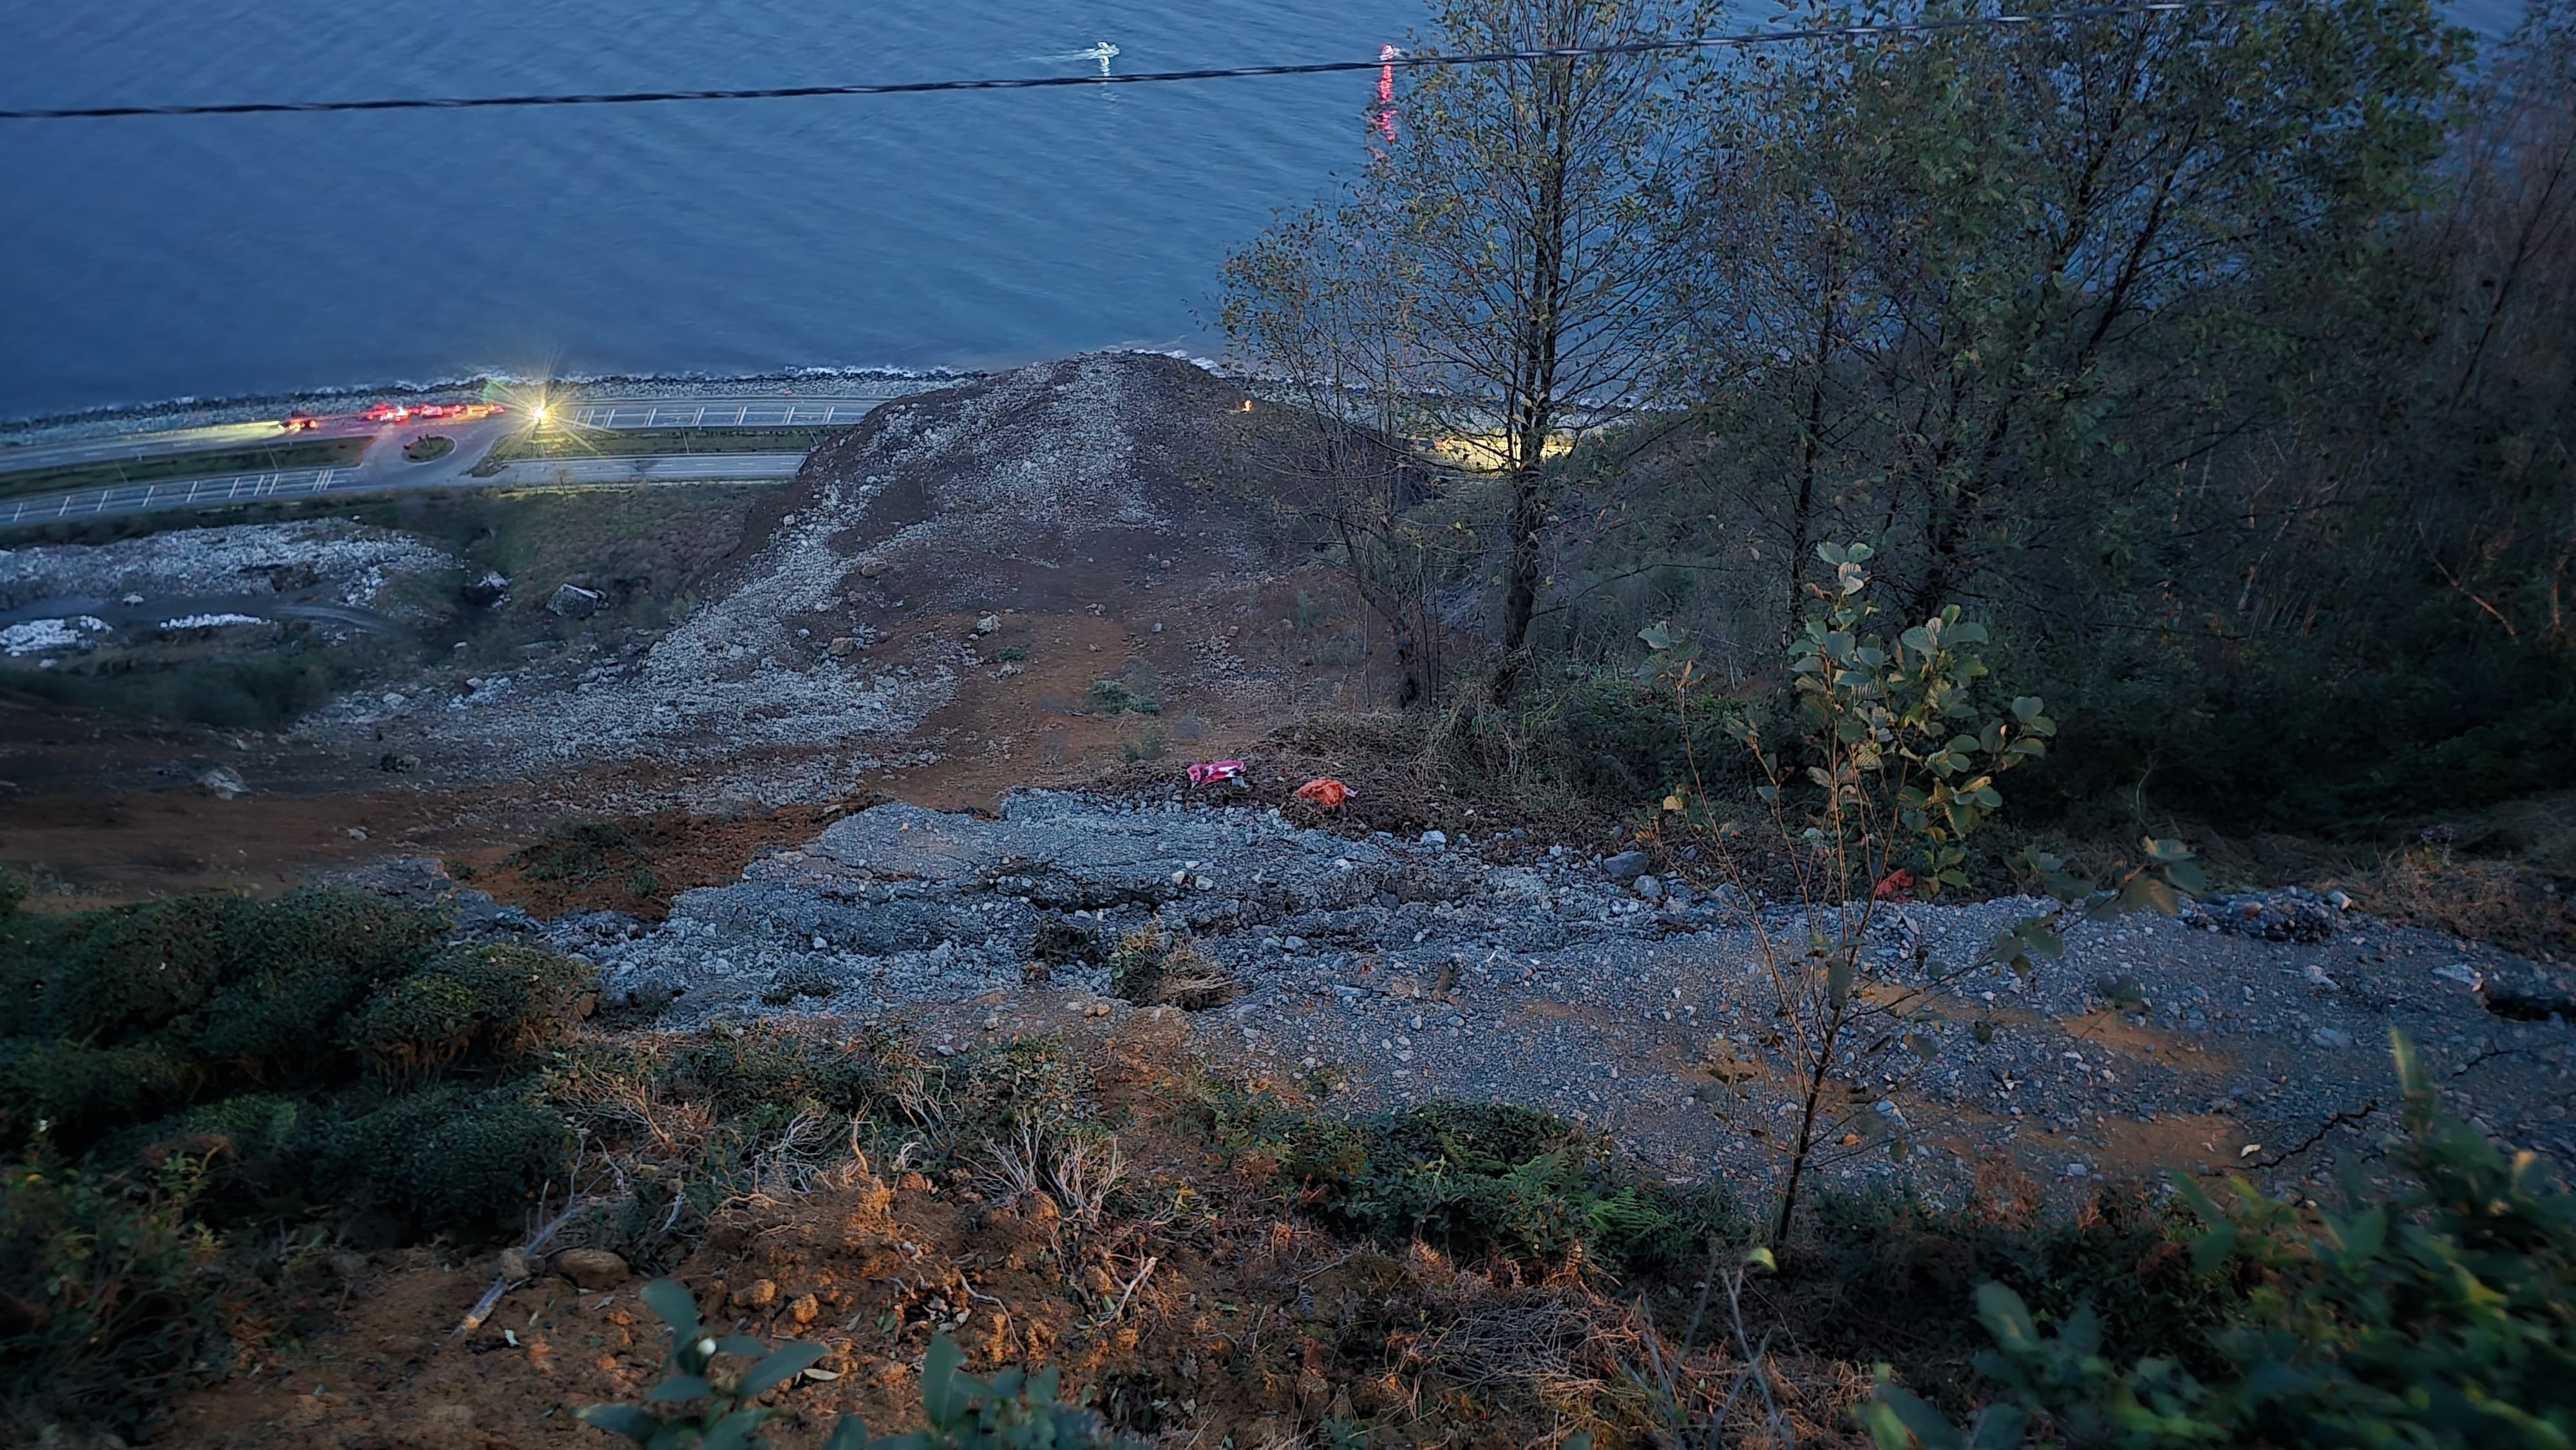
1216, 770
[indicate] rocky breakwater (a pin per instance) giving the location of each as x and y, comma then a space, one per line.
1512, 969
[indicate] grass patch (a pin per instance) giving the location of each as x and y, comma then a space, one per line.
552, 442
232, 691
72, 477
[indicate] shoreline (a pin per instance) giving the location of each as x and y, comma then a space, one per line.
194, 412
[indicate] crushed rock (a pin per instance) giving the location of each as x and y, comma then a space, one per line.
1425, 971
354, 560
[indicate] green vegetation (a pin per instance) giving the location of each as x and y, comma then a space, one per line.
554, 442
2240, 409
1113, 697
1899, 744
184, 1080
212, 463
2439, 1313
1011, 1411
1484, 1180
230, 690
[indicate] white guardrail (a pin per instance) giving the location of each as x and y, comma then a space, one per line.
137, 497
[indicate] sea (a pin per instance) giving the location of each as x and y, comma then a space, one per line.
150, 259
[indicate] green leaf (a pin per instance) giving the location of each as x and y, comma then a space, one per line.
1838, 982
741, 1344
1761, 1258
1922, 1046
1999, 1427
2006, 1318
1657, 636
2026, 708
939, 1398
2186, 874
680, 1387
787, 1362
1927, 1425
2212, 1248
733, 1432
850, 1434
624, 1420
676, 1306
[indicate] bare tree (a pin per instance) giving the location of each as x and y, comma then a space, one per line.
1500, 260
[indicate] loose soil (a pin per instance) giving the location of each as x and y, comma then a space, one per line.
1223, 1317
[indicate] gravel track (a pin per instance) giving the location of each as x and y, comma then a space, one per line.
1508, 970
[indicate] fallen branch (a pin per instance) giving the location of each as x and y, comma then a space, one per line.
1121, 1306
503, 1283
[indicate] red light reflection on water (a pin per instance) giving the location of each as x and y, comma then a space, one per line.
1385, 107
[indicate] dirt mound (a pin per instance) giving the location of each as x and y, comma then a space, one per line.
1049, 486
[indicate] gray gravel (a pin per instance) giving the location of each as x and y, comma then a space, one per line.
1505, 969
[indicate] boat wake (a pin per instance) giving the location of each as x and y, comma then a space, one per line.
1104, 53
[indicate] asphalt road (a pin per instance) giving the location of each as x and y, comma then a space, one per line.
839, 408
138, 498
383, 467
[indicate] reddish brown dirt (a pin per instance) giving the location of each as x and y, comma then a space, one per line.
101, 809
1218, 1317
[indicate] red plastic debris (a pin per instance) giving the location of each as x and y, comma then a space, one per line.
1216, 770
1898, 886
1327, 793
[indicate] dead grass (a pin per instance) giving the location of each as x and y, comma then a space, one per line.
1183, 1287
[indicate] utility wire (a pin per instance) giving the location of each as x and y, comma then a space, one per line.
1141, 78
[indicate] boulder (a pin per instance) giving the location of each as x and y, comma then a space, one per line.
1626, 866
591, 1268
571, 601
222, 784
488, 591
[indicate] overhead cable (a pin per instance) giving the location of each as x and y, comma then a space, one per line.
1141, 78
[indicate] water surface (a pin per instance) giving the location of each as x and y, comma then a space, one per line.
150, 259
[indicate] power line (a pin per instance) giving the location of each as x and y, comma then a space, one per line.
1141, 78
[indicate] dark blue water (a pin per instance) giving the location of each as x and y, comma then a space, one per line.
149, 259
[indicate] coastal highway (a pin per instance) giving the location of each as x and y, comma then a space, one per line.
135, 498
840, 407
383, 467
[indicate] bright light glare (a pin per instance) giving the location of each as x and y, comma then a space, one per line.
541, 412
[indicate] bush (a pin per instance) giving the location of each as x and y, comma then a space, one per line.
106, 1301
772, 1066
1150, 966
69, 1092
131, 1014
504, 1002
2440, 1314
449, 1158
1498, 1180
1011, 1411
242, 989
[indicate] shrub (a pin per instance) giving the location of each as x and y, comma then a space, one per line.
578, 853
70, 1092
502, 1001
1151, 966
253, 988
1060, 943
1011, 1411
450, 1158
768, 1066
106, 1299
2442, 1314
1497, 1179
